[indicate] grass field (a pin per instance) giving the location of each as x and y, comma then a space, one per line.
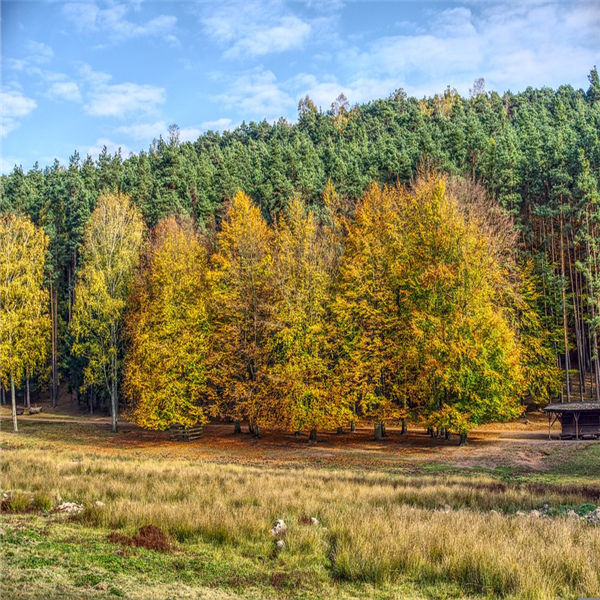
405, 518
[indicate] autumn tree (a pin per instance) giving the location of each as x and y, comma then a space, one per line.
370, 310
299, 393
242, 276
112, 240
24, 321
467, 352
168, 326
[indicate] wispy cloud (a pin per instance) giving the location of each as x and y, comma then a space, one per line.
65, 90
217, 124
113, 19
143, 132
257, 94
123, 99
14, 106
511, 44
112, 147
119, 100
255, 29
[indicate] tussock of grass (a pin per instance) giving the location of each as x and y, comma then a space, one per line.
373, 528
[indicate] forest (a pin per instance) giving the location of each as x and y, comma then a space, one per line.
432, 259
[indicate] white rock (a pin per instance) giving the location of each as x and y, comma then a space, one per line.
594, 516
572, 514
314, 521
99, 504
536, 514
521, 513
279, 544
279, 529
69, 508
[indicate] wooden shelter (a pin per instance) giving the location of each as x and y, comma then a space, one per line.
578, 419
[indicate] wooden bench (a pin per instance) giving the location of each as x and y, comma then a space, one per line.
186, 434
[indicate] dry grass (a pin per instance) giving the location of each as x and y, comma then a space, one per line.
375, 528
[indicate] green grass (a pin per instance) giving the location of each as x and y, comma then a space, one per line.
52, 558
413, 530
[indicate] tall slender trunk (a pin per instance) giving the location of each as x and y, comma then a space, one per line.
54, 329
14, 404
27, 396
113, 397
564, 309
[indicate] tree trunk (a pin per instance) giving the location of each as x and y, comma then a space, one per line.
237, 427
114, 401
404, 429
14, 404
352, 426
340, 430
27, 395
54, 331
377, 431
463, 438
312, 437
564, 310
383, 430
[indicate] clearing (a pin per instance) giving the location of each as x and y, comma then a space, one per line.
509, 515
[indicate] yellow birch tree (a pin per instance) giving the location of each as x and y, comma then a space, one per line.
24, 320
112, 240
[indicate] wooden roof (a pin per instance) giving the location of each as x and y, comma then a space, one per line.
573, 407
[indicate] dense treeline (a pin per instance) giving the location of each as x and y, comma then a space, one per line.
537, 153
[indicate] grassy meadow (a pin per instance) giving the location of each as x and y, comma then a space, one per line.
390, 525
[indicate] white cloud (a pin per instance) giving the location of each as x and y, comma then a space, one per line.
123, 99
39, 52
13, 107
324, 92
112, 147
144, 131
105, 99
113, 21
217, 125
255, 29
8, 163
258, 94
65, 90
512, 45
190, 134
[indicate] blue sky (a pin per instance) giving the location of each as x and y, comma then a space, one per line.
80, 75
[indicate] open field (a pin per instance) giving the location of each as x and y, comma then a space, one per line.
408, 517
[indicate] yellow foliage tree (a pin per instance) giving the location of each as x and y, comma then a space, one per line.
243, 288
24, 320
299, 393
370, 310
112, 240
168, 325
467, 353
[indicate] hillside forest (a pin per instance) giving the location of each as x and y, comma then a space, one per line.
433, 260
